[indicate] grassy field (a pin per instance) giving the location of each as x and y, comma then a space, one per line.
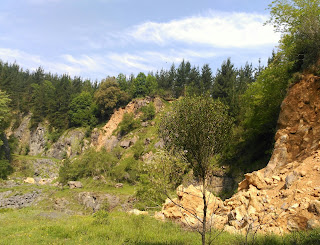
34, 226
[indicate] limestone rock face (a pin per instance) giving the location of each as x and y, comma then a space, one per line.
284, 196
22, 133
70, 144
100, 138
298, 132
128, 142
38, 141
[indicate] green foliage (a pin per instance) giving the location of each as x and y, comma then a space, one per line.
101, 217
198, 128
159, 178
151, 85
128, 124
262, 100
5, 154
225, 85
299, 23
89, 164
109, 96
138, 149
82, 111
54, 134
66, 172
148, 112
126, 170
43, 97
253, 137
138, 87
4, 109
5, 169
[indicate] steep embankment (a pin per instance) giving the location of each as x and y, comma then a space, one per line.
282, 197
104, 138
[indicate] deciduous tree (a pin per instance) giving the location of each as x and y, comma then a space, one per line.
197, 128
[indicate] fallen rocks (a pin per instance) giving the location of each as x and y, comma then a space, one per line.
29, 180
137, 212
118, 185
256, 179
128, 142
96, 201
9, 199
191, 199
74, 184
314, 207
313, 224
282, 197
290, 179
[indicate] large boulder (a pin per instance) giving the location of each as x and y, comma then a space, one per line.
74, 184
188, 207
256, 179
111, 143
96, 201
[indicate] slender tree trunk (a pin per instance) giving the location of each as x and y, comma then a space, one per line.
204, 224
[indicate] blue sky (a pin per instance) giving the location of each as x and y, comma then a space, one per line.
97, 38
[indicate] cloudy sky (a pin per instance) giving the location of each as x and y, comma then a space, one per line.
96, 38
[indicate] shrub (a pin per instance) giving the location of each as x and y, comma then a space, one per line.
128, 124
90, 164
148, 112
5, 169
138, 150
126, 170
101, 217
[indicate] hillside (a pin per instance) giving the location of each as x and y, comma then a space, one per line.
282, 197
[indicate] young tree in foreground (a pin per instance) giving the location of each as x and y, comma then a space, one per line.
197, 128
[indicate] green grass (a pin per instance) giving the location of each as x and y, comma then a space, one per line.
28, 157
31, 226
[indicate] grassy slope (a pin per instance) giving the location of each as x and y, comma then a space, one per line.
44, 225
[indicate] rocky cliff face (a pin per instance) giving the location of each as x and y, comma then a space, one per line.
282, 197
70, 144
103, 138
298, 134
36, 143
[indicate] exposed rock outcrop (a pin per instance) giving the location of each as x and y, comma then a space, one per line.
298, 132
70, 144
103, 138
22, 133
38, 141
96, 201
10, 199
282, 197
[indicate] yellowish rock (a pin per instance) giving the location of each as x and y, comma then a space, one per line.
30, 180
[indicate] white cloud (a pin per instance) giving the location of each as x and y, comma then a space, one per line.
238, 30
130, 61
15, 55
